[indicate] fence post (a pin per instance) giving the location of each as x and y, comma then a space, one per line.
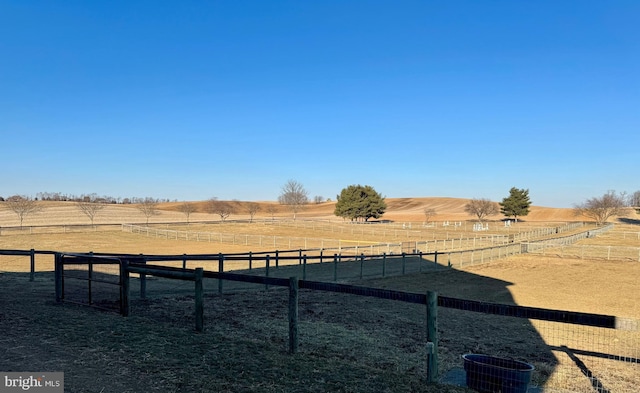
184, 261
124, 288
266, 269
432, 336
32, 255
143, 280
199, 273
384, 263
250, 260
420, 262
304, 267
404, 258
293, 315
435, 258
277, 262
361, 264
90, 277
220, 270
300, 256
58, 277
335, 267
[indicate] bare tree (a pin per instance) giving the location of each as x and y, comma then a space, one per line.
294, 196
602, 208
429, 213
90, 208
187, 208
149, 207
634, 199
481, 208
22, 206
222, 208
318, 199
272, 210
252, 209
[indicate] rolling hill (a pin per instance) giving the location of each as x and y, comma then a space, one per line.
398, 209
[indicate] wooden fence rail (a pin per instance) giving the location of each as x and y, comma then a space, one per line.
32, 261
454, 257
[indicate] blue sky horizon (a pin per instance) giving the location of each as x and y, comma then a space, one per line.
231, 99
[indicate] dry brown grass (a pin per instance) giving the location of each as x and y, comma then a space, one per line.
399, 209
348, 343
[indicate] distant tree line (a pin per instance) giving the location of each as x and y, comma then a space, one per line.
92, 197
355, 203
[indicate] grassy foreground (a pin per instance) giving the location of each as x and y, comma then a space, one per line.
244, 346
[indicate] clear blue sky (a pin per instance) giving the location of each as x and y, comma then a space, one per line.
193, 99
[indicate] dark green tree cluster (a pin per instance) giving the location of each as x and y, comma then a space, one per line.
358, 202
516, 204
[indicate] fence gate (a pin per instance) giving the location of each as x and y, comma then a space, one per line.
89, 280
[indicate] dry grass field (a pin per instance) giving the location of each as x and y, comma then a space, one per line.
399, 209
347, 343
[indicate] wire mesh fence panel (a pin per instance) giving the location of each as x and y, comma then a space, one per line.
564, 357
160, 287
592, 358
96, 285
495, 336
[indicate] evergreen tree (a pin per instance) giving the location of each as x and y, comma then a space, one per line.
360, 202
516, 204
